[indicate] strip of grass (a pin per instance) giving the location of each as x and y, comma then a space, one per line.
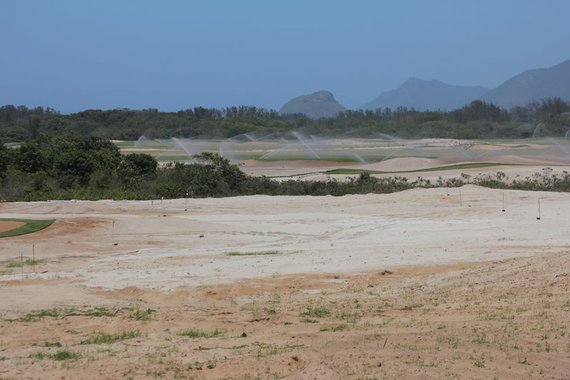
198, 333
262, 253
29, 227
70, 312
469, 165
29, 262
59, 355
104, 338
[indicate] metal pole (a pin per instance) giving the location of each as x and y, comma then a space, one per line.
34, 257
503, 202
538, 217
22, 262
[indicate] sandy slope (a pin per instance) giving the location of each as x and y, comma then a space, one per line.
416, 284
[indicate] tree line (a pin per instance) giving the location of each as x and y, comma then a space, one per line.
79, 167
476, 120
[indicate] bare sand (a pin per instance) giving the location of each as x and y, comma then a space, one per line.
7, 225
426, 283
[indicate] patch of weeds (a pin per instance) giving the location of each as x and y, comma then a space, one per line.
29, 262
261, 253
480, 363
308, 320
142, 314
524, 361
210, 364
104, 338
68, 312
199, 333
350, 317
419, 362
270, 310
265, 349
341, 327
314, 311
480, 337
51, 344
412, 307
59, 355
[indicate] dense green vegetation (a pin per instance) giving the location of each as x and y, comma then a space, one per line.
477, 120
71, 167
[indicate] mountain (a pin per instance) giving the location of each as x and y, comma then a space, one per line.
317, 105
532, 85
427, 95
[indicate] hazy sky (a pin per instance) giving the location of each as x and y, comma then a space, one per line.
73, 55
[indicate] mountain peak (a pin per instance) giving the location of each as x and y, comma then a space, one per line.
316, 105
532, 85
423, 94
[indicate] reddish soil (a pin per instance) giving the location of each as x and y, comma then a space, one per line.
7, 225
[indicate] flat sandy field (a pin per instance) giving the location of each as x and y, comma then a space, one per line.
426, 283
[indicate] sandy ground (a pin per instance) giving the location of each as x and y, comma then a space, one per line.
426, 283
7, 225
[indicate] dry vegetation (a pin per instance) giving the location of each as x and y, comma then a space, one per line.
499, 320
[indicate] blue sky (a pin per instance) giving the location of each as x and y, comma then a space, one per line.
74, 55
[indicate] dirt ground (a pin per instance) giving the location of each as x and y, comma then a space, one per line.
426, 283
7, 225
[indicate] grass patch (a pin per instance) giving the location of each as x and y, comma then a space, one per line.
69, 312
59, 355
199, 333
142, 314
29, 262
104, 338
29, 227
261, 253
341, 327
469, 165
313, 311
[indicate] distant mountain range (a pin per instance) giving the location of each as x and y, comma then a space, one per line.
426, 95
532, 85
423, 95
316, 105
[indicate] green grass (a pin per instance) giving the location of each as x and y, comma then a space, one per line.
199, 333
315, 311
142, 314
29, 227
469, 165
69, 312
58, 356
104, 338
19, 264
341, 327
262, 253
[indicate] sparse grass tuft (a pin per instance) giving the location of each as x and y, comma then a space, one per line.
59, 355
315, 311
261, 253
104, 338
142, 314
341, 327
69, 312
29, 262
199, 333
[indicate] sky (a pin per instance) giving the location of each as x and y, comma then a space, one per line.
73, 55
